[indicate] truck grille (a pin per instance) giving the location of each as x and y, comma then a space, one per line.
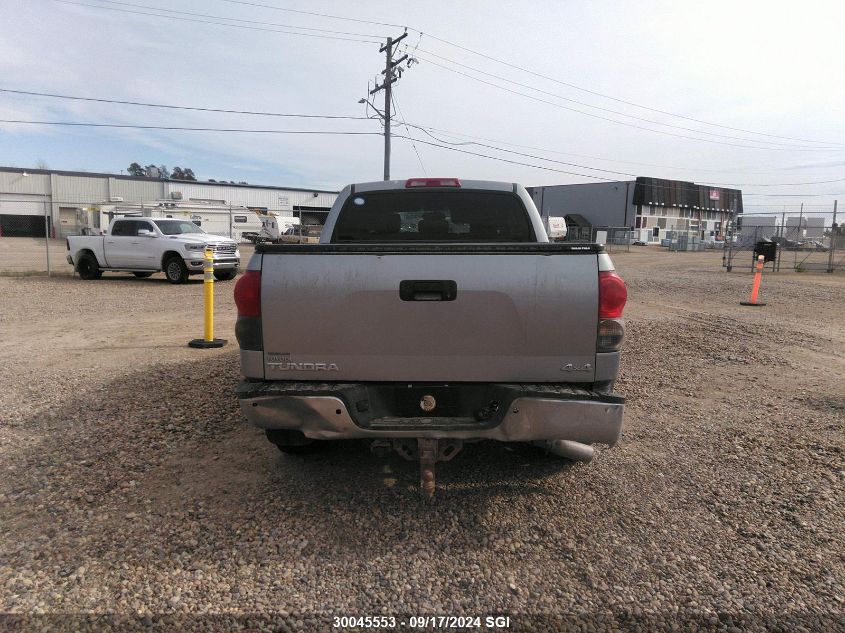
228, 249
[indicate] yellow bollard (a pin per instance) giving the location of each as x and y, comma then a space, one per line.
208, 339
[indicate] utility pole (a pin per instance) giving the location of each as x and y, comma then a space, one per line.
391, 76
834, 234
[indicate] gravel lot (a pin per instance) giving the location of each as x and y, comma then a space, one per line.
134, 495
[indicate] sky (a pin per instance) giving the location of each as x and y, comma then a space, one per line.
747, 94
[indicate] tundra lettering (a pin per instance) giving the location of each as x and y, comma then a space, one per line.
290, 366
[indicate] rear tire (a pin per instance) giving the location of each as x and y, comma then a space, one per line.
175, 270
142, 275
225, 275
293, 442
88, 268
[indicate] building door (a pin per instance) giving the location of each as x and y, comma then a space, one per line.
68, 222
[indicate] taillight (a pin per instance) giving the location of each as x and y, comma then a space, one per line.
611, 335
248, 294
248, 300
432, 182
612, 295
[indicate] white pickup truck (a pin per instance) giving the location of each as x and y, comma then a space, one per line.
433, 312
144, 246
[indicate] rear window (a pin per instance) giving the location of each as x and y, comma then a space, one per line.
433, 216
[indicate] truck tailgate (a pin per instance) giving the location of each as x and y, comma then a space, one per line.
441, 313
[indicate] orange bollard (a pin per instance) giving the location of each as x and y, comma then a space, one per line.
755, 287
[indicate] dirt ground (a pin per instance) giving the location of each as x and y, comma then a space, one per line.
134, 494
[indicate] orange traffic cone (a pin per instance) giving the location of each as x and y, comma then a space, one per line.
755, 287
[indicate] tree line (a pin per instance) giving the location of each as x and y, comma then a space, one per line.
161, 171
177, 173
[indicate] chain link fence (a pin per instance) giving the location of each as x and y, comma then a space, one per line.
787, 243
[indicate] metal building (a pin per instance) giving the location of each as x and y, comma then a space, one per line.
652, 207
70, 203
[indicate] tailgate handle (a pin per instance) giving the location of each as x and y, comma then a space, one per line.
428, 290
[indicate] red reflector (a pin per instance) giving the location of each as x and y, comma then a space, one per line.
612, 295
432, 182
248, 294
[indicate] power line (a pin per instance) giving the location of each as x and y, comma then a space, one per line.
408, 129
426, 129
236, 26
610, 110
178, 107
434, 63
314, 13
624, 123
551, 160
622, 173
463, 151
605, 96
526, 70
189, 129
505, 160
795, 195
600, 158
777, 184
779, 210
349, 133
223, 17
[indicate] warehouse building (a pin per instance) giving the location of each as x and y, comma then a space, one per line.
72, 203
650, 207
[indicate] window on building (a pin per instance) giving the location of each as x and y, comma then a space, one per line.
637, 222
240, 219
656, 231
651, 210
661, 222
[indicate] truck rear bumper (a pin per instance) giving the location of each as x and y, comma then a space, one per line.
532, 412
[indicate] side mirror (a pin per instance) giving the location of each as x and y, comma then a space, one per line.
146, 233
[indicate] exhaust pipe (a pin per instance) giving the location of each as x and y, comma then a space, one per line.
576, 451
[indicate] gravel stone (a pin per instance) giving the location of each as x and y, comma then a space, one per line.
135, 496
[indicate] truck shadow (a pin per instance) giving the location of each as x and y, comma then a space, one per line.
156, 279
187, 452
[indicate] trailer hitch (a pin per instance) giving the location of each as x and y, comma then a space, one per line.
428, 451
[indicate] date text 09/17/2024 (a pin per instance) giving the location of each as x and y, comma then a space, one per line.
421, 622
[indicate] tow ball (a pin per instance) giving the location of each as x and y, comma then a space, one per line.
428, 451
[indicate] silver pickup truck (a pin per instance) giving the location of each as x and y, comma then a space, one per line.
433, 312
